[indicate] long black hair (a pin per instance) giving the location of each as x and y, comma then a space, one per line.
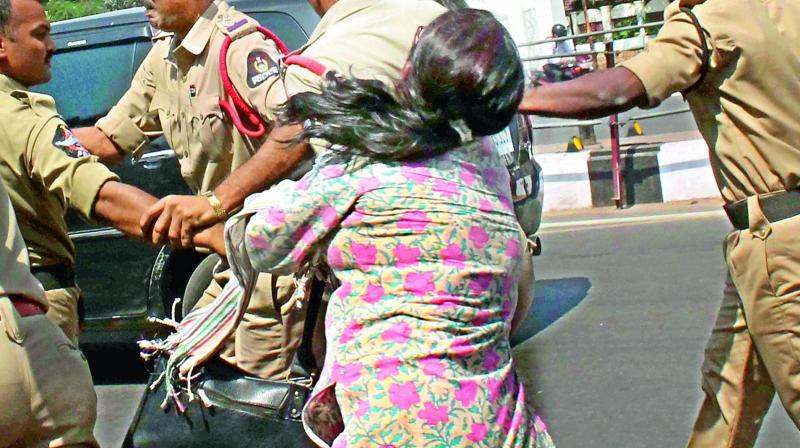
464, 80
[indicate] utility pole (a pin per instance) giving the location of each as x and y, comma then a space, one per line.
587, 133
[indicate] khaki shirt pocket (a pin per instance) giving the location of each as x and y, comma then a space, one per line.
167, 116
209, 130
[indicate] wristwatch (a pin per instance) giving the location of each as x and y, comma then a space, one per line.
219, 210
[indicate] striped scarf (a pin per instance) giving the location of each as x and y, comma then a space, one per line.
202, 333
197, 338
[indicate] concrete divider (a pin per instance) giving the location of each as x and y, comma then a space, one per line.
667, 172
566, 180
686, 171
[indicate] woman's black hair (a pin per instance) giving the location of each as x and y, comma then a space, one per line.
465, 79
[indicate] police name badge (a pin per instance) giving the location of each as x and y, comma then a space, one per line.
65, 140
260, 67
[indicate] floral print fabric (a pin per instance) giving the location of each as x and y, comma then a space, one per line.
427, 257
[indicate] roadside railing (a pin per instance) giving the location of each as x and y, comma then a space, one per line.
613, 121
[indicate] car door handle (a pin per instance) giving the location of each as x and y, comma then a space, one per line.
152, 160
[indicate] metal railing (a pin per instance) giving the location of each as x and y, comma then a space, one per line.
592, 34
613, 121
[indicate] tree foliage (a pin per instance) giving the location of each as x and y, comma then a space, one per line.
58, 10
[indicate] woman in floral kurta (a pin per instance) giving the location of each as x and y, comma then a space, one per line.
427, 256
426, 251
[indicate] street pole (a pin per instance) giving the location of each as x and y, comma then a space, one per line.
586, 133
613, 125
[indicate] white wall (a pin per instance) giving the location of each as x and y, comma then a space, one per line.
526, 20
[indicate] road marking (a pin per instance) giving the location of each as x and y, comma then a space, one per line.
566, 225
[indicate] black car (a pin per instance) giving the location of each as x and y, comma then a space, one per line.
124, 282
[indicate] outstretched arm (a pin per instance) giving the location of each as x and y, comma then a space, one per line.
175, 219
281, 227
594, 95
273, 162
122, 206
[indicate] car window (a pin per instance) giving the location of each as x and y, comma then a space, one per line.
283, 25
87, 82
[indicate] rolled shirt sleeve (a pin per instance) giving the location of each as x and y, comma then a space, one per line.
66, 168
673, 61
130, 121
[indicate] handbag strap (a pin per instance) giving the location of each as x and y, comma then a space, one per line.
706, 63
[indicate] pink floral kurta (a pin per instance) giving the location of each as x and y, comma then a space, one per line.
427, 254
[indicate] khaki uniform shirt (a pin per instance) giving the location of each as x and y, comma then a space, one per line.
369, 39
746, 107
176, 91
45, 170
15, 272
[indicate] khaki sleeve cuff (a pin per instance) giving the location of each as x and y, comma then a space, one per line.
87, 181
653, 77
124, 133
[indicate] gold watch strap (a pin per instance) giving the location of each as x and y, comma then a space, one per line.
219, 210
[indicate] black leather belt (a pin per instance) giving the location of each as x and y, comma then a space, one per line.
57, 276
776, 207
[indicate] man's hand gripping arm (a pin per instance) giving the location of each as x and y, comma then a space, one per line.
175, 219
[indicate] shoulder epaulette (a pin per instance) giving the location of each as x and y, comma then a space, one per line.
235, 24
41, 104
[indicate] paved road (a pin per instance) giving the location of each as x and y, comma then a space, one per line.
632, 305
611, 356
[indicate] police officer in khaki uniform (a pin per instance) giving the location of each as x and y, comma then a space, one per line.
362, 38
45, 169
46, 393
177, 90
743, 92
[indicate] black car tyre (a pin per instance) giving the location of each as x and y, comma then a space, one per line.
198, 282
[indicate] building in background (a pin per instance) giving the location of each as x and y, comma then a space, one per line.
527, 20
532, 20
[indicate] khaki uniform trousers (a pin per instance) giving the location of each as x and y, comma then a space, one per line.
46, 393
266, 340
63, 310
754, 350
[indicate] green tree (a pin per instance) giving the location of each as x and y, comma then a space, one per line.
58, 10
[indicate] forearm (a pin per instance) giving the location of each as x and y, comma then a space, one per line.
271, 163
97, 143
212, 238
594, 95
122, 206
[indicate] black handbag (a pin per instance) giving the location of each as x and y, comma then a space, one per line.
244, 411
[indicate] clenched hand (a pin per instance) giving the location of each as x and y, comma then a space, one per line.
174, 219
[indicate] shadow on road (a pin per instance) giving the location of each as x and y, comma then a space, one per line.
553, 298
